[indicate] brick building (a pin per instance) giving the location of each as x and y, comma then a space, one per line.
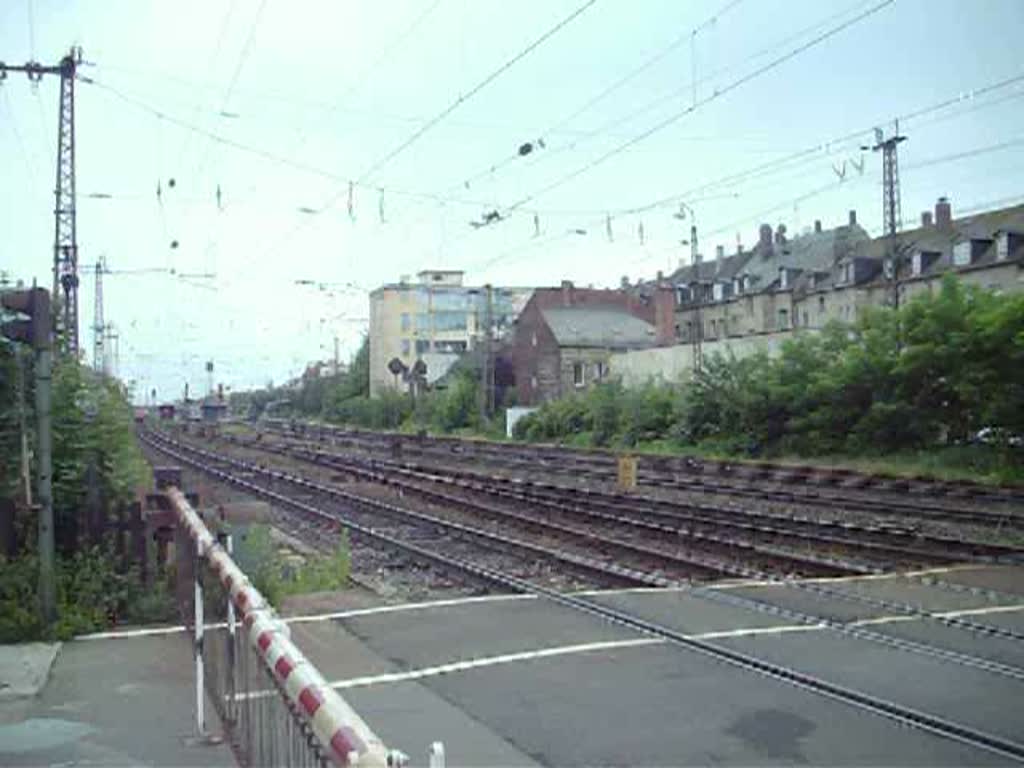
564, 338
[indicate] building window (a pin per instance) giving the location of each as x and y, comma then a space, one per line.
1002, 246
533, 340
577, 374
449, 321
406, 347
807, 323
457, 347
716, 291
405, 321
783, 319
962, 253
422, 346
821, 305
533, 382
599, 370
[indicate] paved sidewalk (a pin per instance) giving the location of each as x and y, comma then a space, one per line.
124, 701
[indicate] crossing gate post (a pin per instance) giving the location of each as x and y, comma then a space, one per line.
197, 578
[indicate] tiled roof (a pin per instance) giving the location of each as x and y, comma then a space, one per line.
612, 328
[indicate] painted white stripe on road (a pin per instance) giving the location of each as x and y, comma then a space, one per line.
982, 611
399, 607
726, 633
491, 661
426, 605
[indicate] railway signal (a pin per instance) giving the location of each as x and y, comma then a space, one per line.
35, 329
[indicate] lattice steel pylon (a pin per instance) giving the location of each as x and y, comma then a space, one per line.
892, 219
65, 242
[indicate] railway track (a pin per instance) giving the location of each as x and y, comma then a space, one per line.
804, 485
864, 701
356, 467
885, 541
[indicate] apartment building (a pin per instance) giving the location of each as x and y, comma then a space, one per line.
431, 321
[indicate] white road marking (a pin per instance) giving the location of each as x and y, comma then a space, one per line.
490, 661
726, 633
982, 611
738, 584
400, 607
120, 634
566, 650
152, 631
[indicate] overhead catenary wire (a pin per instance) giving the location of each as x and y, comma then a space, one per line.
552, 151
719, 93
648, 62
735, 179
384, 160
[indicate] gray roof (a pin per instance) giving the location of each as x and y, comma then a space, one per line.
804, 253
612, 328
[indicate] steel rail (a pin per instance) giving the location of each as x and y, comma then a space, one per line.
909, 716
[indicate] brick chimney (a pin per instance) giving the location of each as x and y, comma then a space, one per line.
817, 226
780, 234
764, 237
567, 293
926, 218
943, 213
719, 252
853, 218
664, 316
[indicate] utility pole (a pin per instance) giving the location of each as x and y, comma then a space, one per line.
65, 243
696, 338
98, 327
26, 467
37, 332
892, 219
487, 369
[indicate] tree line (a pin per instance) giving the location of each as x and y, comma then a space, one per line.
945, 370
94, 452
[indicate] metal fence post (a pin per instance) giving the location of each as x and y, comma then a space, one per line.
436, 755
197, 578
229, 548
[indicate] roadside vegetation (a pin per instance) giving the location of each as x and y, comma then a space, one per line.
93, 437
345, 399
278, 573
934, 388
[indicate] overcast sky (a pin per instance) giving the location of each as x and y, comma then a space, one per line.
281, 104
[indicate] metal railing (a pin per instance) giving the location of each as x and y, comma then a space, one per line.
275, 706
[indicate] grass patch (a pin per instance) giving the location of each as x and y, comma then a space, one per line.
278, 572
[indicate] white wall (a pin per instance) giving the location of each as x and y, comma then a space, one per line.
672, 364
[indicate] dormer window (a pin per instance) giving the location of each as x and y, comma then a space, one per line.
783, 278
962, 253
916, 264
717, 291
1002, 246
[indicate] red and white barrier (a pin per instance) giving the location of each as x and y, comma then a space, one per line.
342, 734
